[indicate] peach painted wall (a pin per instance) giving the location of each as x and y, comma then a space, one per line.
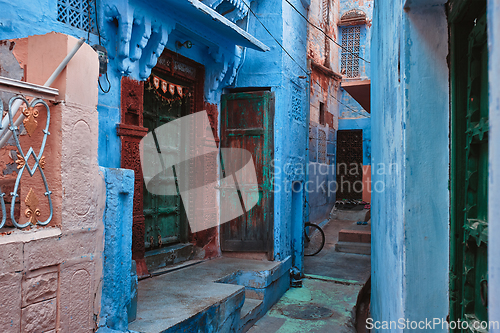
50, 276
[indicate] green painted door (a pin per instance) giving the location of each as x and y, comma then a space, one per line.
165, 218
469, 182
247, 122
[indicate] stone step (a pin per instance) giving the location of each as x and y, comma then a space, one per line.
172, 303
250, 313
355, 236
348, 215
353, 247
209, 296
167, 256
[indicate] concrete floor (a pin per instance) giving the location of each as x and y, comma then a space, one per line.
184, 293
354, 268
331, 287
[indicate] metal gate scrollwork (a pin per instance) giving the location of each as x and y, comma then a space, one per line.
30, 123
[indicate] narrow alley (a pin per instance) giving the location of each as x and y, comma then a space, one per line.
335, 287
232, 166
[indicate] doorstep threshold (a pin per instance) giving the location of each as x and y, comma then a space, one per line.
173, 268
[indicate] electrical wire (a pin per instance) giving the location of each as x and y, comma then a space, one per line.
277, 42
99, 36
338, 101
89, 21
109, 84
97, 21
302, 68
335, 42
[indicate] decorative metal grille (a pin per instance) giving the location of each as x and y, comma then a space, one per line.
30, 114
77, 13
350, 51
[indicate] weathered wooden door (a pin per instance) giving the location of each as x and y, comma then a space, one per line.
469, 172
349, 164
247, 122
165, 218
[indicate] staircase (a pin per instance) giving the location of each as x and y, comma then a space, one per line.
355, 239
219, 295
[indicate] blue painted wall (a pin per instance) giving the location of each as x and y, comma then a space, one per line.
410, 217
322, 54
220, 57
275, 69
494, 157
387, 148
116, 285
352, 116
19, 19
321, 186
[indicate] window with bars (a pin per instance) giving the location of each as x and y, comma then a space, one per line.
78, 13
350, 51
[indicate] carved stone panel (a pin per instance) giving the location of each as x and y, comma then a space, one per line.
131, 131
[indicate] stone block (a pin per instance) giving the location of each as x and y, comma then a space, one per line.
11, 257
10, 298
80, 177
39, 288
357, 236
55, 250
39, 317
167, 256
77, 297
353, 247
313, 150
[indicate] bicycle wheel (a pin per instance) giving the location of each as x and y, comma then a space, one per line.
314, 239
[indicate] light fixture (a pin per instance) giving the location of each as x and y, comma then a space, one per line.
187, 44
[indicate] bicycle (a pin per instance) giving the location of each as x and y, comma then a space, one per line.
314, 239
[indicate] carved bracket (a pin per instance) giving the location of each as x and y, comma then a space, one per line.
137, 39
233, 10
223, 73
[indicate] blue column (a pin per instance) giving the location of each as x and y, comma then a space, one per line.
116, 284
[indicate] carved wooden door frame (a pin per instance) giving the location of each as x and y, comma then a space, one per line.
131, 131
